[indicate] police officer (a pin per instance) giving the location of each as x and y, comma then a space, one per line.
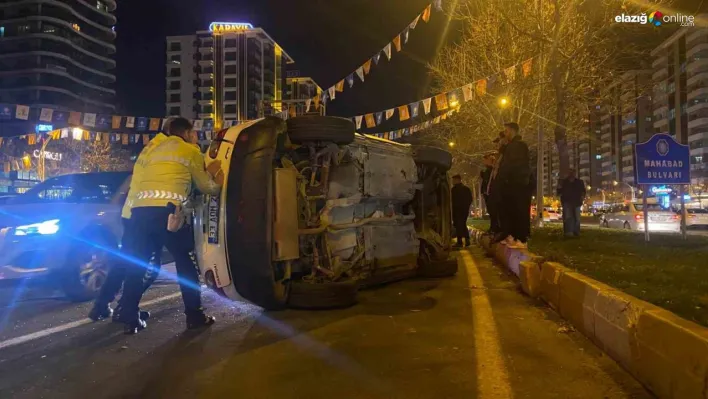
116, 275
168, 173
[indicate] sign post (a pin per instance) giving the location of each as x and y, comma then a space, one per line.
662, 161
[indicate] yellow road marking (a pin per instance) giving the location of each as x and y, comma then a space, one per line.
492, 376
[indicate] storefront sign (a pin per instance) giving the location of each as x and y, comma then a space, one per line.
213, 225
661, 190
52, 156
225, 27
42, 127
662, 160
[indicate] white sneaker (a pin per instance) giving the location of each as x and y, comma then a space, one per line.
518, 245
509, 240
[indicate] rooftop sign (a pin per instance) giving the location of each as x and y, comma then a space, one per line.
225, 27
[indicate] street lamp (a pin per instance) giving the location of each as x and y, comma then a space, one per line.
504, 102
451, 144
616, 183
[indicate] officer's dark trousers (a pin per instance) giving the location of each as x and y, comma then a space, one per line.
459, 222
493, 210
117, 273
148, 234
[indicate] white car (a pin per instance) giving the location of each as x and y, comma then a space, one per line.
553, 215
66, 228
630, 216
311, 211
696, 217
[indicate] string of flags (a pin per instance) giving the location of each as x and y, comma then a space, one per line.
445, 101
364, 69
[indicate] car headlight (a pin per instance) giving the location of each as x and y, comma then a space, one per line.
48, 227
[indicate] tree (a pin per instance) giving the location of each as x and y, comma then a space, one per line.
98, 156
575, 48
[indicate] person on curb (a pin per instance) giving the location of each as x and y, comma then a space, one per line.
168, 173
489, 161
514, 177
461, 202
116, 275
495, 194
572, 194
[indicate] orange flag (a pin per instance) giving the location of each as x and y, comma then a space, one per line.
75, 118
87, 135
426, 13
7, 168
526, 66
441, 102
32, 139
481, 87
146, 139
367, 66
107, 137
403, 113
0, 141
125, 139
317, 101
370, 121
339, 86
115, 122
397, 42
154, 124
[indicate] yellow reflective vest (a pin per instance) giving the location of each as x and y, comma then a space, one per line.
164, 173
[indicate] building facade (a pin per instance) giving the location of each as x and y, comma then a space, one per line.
232, 72
681, 94
58, 54
299, 89
589, 157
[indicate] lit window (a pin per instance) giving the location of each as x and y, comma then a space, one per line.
598, 156
76, 27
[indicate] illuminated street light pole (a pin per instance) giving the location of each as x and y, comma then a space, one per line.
634, 197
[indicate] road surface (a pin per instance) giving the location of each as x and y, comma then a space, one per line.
471, 336
690, 232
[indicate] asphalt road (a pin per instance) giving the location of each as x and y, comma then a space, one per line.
690, 232
471, 336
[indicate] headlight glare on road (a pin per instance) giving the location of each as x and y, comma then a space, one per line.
47, 227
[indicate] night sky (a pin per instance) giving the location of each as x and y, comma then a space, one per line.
328, 39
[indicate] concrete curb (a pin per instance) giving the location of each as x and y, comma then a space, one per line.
666, 353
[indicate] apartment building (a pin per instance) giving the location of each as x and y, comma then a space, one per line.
232, 71
680, 76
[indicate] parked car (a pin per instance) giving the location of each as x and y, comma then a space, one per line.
66, 227
551, 215
630, 216
311, 211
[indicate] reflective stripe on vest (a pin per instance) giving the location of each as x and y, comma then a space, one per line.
161, 194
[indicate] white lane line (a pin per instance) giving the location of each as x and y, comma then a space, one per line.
492, 376
68, 326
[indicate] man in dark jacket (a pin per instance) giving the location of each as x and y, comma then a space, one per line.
461, 201
492, 207
572, 194
514, 178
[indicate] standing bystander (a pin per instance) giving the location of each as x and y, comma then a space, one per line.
461, 201
572, 194
514, 178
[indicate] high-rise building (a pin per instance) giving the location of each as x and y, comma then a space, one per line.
626, 119
58, 54
232, 71
299, 89
589, 157
681, 94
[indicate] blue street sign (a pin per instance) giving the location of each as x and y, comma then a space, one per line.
662, 160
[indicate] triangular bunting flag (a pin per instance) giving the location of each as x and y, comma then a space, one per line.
357, 120
379, 118
405, 35
481, 87
414, 109
397, 42
115, 122
332, 92
130, 122
106, 137
146, 139
510, 73
370, 122
316, 99
198, 124
467, 92
64, 133
415, 22
526, 67
426, 13
75, 118
389, 113
308, 102
452, 99
387, 51
339, 86
125, 139
86, 136
46, 115
154, 124
426, 105
367, 66
438, 5
443, 116
403, 113
436, 120
350, 80
376, 58
32, 139
360, 72
441, 102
